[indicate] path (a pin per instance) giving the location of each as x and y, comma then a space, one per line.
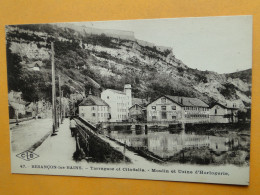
29, 133
59, 148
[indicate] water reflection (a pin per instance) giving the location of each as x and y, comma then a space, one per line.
166, 144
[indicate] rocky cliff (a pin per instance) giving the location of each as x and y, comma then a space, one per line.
98, 59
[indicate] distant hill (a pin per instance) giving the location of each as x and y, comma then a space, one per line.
244, 75
99, 59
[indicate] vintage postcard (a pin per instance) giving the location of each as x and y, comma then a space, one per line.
159, 99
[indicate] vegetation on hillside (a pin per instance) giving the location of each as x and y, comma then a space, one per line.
81, 68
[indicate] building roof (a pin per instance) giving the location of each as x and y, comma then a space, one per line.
92, 100
187, 101
223, 106
15, 93
139, 101
35, 64
136, 105
117, 91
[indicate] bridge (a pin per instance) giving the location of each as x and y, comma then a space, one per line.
138, 125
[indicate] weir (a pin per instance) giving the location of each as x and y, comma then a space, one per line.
144, 126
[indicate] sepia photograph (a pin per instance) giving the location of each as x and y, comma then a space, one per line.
160, 99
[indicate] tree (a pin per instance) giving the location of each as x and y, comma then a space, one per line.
13, 69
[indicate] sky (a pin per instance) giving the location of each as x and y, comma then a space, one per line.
221, 44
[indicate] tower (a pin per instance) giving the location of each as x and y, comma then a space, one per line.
128, 92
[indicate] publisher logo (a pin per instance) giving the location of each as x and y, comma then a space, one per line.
27, 155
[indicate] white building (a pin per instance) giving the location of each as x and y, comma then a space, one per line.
119, 102
177, 108
94, 109
223, 114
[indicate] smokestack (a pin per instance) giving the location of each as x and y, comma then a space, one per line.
128, 92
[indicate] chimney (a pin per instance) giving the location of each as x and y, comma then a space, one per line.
148, 99
128, 92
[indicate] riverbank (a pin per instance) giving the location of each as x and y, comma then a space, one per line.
218, 128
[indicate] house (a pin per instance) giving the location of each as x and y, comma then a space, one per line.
35, 66
16, 103
94, 109
177, 108
137, 112
220, 113
119, 102
14, 96
30, 109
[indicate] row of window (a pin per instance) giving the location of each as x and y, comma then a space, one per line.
196, 116
122, 97
122, 104
121, 110
100, 108
164, 116
163, 107
122, 116
196, 108
101, 114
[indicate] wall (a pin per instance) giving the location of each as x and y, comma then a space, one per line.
178, 113
86, 112
119, 104
219, 116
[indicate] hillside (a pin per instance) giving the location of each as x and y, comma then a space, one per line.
99, 59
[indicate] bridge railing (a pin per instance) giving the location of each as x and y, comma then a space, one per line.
87, 123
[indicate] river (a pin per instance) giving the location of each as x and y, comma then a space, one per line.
187, 147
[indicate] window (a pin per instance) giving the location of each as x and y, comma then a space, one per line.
173, 107
164, 115
216, 111
93, 114
93, 108
163, 107
163, 100
174, 117
154, 107
153, 117
107, 97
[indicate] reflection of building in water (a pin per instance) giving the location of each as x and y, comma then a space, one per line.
218, 143
136, 141
166, 145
